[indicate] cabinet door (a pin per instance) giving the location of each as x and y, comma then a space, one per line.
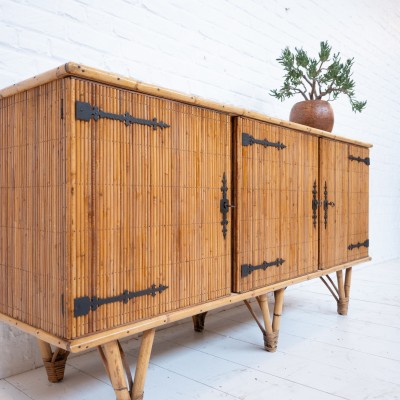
148, 206
275, 238
343, 191
333, 193
358, 239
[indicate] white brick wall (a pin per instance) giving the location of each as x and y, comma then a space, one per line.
223, 50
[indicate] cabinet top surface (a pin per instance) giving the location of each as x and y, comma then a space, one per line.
85, 72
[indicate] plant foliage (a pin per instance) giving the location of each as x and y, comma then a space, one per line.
315, 78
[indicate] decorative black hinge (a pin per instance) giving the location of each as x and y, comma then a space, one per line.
365, 160
224, 206
315, 204
82, 305
85, 111
247, 269
358, 245
248, 140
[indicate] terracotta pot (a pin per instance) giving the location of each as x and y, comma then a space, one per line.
314, 113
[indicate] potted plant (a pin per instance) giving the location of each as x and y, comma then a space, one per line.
315, 78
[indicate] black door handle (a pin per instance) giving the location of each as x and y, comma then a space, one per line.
327, 204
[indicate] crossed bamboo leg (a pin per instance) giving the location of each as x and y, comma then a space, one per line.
270, 329
54, 361
115, 364
198, 321
341, 292
118, 369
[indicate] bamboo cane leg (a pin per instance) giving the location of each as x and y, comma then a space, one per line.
279, 295
142, 364
263, 303
198, 321
45, 350
53, 362
339, 275
329, 288
347, 282
111, 356
253, 314
343, 303
270, 338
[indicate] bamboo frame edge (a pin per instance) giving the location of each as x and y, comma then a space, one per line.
35, 81
36, 332
90, 73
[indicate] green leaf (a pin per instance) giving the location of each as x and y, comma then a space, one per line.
325, 51
302, 59
357, 106
312, 68
286, 59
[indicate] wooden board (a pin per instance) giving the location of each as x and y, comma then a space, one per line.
273, 199
147, 207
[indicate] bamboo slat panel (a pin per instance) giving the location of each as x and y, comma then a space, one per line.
273, 199
358, 203
32, 212
334, 172
298, 236
147, 206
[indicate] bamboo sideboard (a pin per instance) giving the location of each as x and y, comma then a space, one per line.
125, 207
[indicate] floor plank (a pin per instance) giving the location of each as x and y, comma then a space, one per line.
10, 392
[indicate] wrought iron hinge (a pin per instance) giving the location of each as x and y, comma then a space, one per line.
224, 206
315, 204
326, 205
358, 245
248, 140
247, 269
85, 111
365, 160
83, 305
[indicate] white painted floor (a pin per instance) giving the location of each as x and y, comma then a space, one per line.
321, 355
